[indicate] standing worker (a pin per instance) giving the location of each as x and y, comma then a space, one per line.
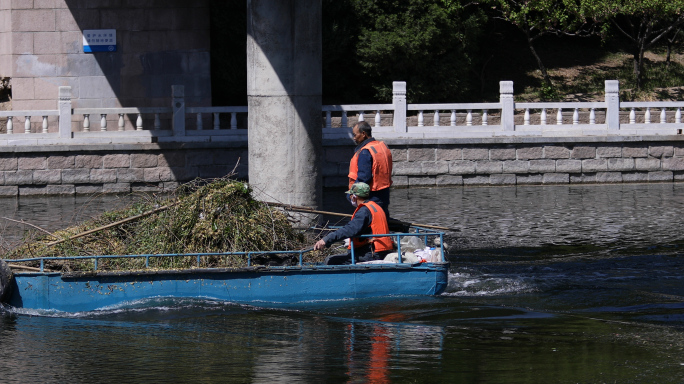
371, 164
368, 218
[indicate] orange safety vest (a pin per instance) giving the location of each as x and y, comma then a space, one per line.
382, 165
378, 227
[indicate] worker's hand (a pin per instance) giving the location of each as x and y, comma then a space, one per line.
320, 244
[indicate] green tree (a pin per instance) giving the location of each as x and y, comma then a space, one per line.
536, 18
643, 22
427, 43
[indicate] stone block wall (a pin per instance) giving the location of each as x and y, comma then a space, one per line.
134, 168
494, 162
49, 170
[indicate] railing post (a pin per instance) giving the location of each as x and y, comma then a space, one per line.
612, 105
178, 121
399, 101
507, 106
64, 106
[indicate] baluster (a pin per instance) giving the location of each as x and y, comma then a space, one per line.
484, 117
27, 124
559, 117
139, 123
10, 126
542, 119
469, 117
436, 119
86, 123
592, 116
575, 117
678, 115
420, 118
121, 122
526, 119
632, 116
647, 116
663, 118
157, 122
45, 124
103, 122
200, 125
377, 119
233, 120
328, 119
345, 121
360, 116
452, 119
217, 121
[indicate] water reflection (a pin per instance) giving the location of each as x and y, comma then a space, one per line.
548, 284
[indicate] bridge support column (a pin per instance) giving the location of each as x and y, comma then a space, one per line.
284, 55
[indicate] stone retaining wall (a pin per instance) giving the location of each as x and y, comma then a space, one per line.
550, 161
107, 169
47, 170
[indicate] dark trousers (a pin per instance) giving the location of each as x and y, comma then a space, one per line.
361, 254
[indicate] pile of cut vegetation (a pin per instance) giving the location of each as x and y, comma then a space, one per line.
200, 217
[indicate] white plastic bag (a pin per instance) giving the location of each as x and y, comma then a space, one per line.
411, 243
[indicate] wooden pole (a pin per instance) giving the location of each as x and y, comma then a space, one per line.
165, 207
16, 266
289, 207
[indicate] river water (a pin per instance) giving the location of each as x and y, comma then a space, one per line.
548, 284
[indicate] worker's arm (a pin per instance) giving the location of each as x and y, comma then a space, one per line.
362, 220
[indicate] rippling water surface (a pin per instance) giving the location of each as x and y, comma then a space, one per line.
548, 284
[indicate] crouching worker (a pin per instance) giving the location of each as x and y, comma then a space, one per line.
368, 218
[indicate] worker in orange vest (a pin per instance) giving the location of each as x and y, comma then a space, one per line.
371, 164
368, 218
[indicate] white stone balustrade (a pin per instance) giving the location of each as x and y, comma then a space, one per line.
343, 111
398, 119
640, 110
120, 115
13, 117
215, 113
473, 117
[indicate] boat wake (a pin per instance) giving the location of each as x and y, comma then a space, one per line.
466, 284
154, 307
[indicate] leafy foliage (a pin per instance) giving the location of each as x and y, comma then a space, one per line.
220, 216
642, 22
537, 18
428, 44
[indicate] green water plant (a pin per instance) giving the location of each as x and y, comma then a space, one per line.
199, 217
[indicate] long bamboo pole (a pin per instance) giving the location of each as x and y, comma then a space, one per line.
123, 221
288, 207
16, 266
296, 208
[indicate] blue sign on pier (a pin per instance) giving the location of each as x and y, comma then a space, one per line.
99, 40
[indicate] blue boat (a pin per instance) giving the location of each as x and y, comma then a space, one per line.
98, 290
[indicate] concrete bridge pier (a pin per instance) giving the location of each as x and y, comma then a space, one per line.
284, 90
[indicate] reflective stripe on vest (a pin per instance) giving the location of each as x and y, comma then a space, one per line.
378, 227
382, 165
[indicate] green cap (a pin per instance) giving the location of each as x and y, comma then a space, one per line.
360, 190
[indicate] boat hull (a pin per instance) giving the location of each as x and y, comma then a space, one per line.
78, 292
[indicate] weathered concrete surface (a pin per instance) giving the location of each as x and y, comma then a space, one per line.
159, 43
284, 99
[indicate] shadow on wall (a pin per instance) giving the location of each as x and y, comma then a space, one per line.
158, 44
